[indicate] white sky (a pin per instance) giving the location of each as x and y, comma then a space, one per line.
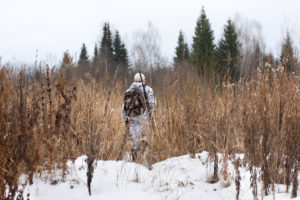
54, 26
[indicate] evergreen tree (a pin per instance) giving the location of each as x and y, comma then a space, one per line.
186, 55
203, 48
117, 47
228, 53
83, 57
106, 48
287, 56
124, 55
182, 50
120, 51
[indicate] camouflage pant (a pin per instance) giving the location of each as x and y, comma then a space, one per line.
137, 130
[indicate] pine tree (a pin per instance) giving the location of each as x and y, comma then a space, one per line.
203, 48
287, 56
228, 53
83, 57
182, 50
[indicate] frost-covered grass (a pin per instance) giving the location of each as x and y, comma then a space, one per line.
175, 178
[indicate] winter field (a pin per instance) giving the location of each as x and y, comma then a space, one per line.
175, 178
61, 135
226, 124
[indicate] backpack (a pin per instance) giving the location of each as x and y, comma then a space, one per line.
134, 102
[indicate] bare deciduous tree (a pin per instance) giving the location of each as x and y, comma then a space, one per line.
252, 44
145, 51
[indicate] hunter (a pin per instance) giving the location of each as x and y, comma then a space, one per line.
136, 109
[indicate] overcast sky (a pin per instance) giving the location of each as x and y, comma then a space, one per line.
47, 28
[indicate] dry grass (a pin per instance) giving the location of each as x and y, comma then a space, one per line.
48, 119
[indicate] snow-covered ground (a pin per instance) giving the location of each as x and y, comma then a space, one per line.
175, 178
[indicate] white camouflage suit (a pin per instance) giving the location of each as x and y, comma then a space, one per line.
138, 124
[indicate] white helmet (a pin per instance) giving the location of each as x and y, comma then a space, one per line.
137, 77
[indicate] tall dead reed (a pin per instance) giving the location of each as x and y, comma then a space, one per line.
257, 117
48, 119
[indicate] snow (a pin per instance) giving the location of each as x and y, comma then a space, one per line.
181, 177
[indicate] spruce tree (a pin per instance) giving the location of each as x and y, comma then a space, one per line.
203, 48
287, 56
83, 57
181, 51
186, 55
120, 51
117, 46
124, 55
228, 53
106, 48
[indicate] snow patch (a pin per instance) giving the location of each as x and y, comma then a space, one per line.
175, 178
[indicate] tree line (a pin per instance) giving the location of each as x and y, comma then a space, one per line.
229, 59
224, 60
108, 56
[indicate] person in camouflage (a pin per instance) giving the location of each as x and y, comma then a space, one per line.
137, 124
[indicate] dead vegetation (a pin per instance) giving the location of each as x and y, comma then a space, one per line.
48, 119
